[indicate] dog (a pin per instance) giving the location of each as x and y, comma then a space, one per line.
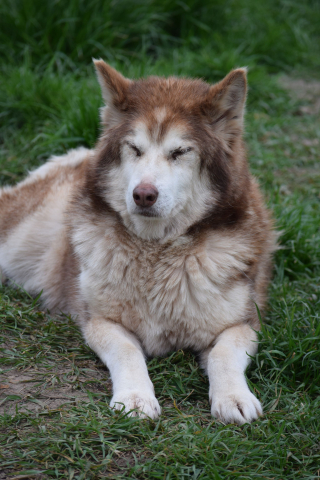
155, 240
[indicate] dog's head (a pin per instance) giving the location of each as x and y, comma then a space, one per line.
170, 151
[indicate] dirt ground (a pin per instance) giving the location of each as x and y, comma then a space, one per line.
33, 390
306, 90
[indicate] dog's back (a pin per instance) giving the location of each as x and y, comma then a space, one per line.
34, 245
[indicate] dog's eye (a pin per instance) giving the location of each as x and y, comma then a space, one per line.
136, 150
179, 152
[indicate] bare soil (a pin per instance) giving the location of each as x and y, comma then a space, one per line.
35, 390
306, 90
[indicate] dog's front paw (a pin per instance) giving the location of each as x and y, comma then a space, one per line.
143, 404
237, 407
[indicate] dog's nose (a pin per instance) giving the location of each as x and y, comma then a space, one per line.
145, 195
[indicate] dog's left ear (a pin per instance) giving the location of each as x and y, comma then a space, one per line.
114, 86
226, 100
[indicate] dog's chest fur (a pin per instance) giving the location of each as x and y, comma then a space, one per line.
179, 295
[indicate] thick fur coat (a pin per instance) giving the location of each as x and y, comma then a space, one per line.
156, 240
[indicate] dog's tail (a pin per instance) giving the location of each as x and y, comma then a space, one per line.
3, 278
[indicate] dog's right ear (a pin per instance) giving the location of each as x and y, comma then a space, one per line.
114, 86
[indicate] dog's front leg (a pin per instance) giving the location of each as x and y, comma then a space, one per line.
120, 350
225, 363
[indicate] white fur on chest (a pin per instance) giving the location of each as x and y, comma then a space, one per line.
180, 297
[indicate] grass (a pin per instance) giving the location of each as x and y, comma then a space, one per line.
276, 33
55, 421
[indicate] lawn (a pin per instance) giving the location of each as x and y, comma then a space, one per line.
54, 416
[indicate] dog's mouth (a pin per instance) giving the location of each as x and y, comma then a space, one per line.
147, 212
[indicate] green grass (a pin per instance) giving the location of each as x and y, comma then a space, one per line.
68, 34
54, 416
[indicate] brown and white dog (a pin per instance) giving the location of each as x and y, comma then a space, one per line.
156, 240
